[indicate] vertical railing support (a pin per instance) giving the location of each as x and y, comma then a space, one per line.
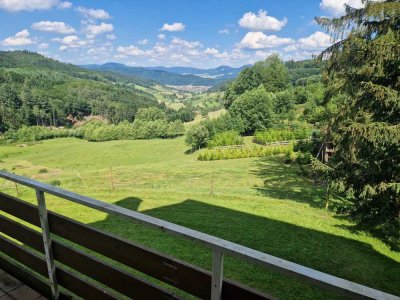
217, 275
44, 223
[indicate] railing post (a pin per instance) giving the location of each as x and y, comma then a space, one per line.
217, 275
44, 223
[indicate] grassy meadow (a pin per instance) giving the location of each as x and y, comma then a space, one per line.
260, 203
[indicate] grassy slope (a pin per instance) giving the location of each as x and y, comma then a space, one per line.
259, 203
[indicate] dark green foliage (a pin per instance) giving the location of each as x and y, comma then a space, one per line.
255, 108
226, 138
303, 71
362, 76
184, 114
197, 136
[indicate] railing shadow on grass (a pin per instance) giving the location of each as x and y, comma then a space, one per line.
336, 255
282, 181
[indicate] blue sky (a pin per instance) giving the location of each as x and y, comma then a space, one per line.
202, 33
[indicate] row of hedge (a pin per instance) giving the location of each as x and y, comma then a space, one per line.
98, 131
282, 134
244, 152
34, 133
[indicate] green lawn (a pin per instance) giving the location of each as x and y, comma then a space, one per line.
260, 203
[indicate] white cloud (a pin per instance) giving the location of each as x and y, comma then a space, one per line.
305, 48
94, 13
337, 7
92, 30
111, 36
161, 37
58, 27
223, 31
173, 27
264, 54
261, 21
22, 34
71, 41
130, 51
316, 40
19, 39
258, 40
100, 52
30, 5
185, 44
65, 5
143, 42
43, 46
216, 53
211, 51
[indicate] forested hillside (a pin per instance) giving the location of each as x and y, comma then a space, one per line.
35, 90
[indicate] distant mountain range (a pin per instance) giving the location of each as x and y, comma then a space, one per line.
222, 72
173, 75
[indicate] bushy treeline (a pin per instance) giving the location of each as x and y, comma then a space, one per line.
243, 152
150, 123
199, 135
99, 131
34, 133
282, 134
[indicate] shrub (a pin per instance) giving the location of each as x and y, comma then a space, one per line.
290, 157
42, 171
197, 136
283, 134
226, 138
244, 152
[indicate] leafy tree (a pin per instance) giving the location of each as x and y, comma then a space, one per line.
255, 108
226, 122
197, 136
363, 69
274, 74
175, 128
271, 73
247, 80
284, 105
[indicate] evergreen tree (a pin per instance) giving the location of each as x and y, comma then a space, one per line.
362, 77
